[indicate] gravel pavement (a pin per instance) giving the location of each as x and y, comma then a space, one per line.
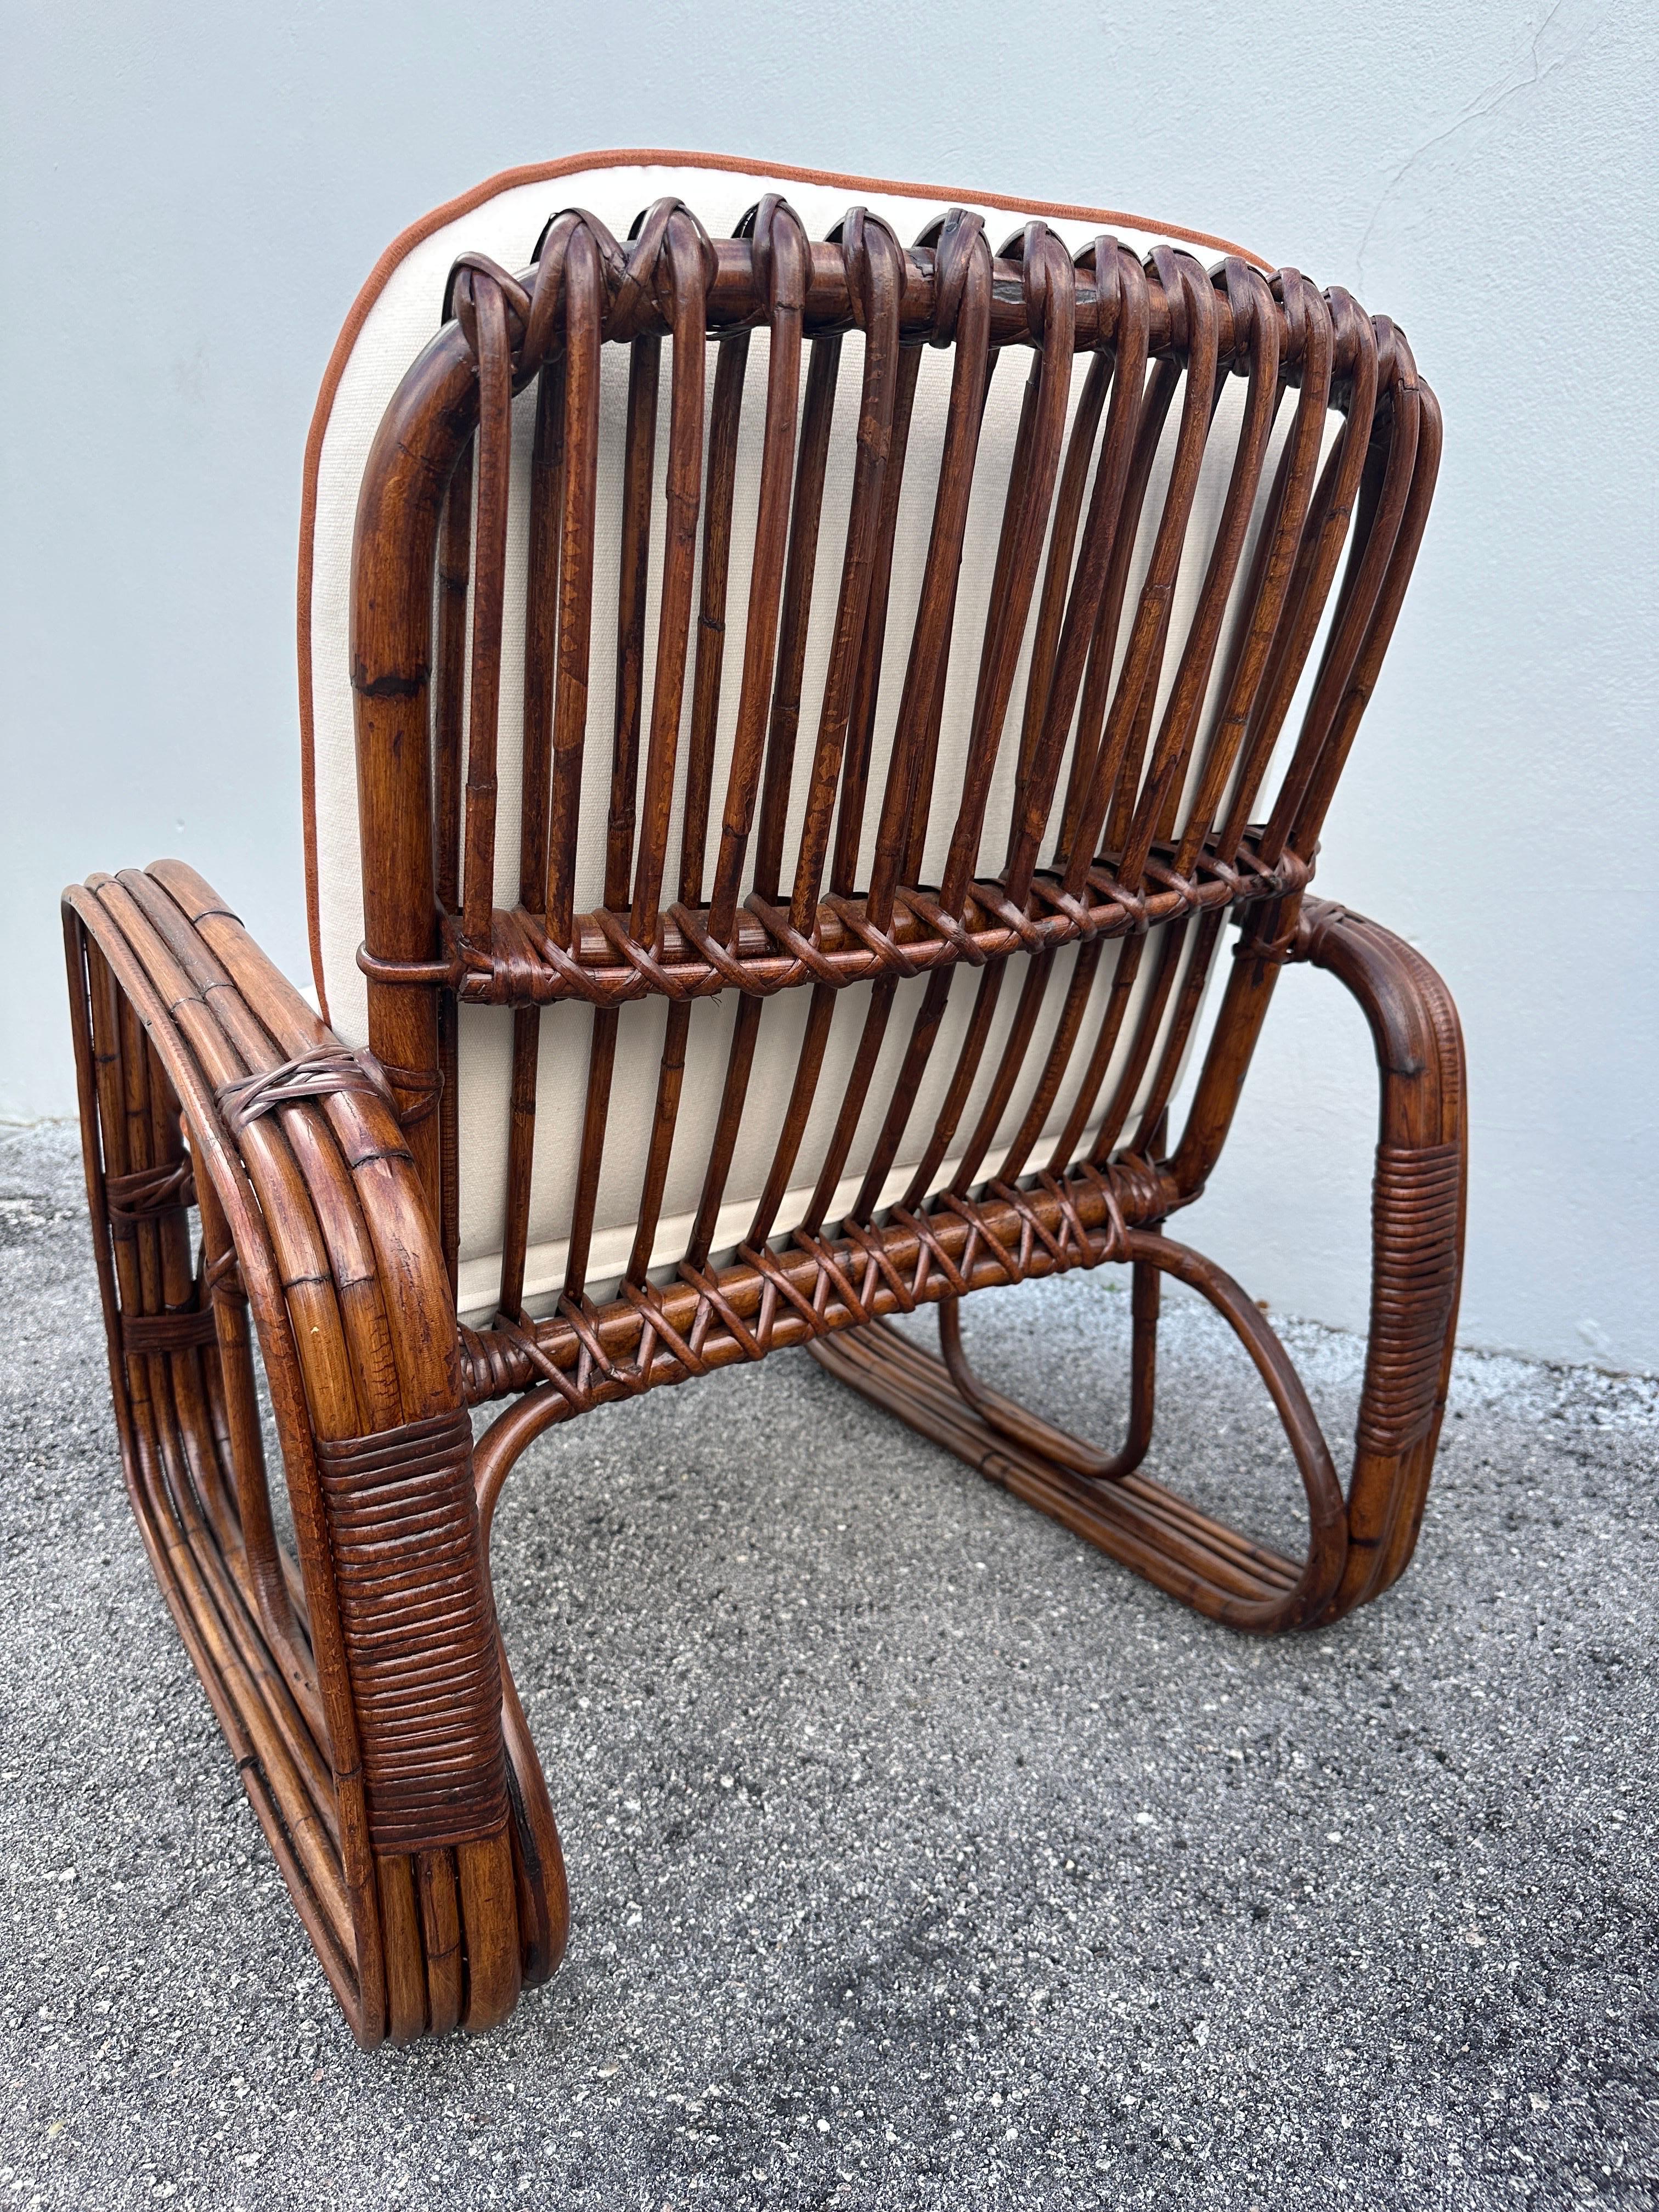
920, 1856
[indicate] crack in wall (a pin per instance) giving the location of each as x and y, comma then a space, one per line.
1565, 30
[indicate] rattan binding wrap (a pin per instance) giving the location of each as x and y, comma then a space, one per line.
420, 1631
1416, 1199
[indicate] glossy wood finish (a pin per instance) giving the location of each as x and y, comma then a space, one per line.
360, 1683
315, 1227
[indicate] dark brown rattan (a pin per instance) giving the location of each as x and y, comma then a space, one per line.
419, 1632
362, 1683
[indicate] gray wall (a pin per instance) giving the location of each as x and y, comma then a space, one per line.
193, 195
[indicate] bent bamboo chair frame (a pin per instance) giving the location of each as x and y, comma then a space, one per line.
362, 1683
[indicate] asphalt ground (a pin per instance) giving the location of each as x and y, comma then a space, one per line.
920, 1856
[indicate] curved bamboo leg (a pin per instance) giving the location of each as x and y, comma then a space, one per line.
1030, 1430
1358, 1547
381, 1746
1418, 1199
283, 1762
1420, 1194
1208, 1567
544, 1893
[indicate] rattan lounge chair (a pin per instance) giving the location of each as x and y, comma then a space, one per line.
772, 808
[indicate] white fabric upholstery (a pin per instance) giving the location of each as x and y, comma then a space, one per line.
401, 318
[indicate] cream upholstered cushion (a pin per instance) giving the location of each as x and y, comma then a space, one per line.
397, 313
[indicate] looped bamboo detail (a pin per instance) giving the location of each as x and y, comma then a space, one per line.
779, 276
638, 280
851, 235
638, 289
960, 237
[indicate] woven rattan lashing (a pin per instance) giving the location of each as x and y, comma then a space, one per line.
1067, 787
420, 1634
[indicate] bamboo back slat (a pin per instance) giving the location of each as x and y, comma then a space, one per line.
883, 783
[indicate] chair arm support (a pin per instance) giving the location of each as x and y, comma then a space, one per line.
1419, 1194
1418, 1197
308, 1185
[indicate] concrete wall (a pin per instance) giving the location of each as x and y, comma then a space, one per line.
193, 195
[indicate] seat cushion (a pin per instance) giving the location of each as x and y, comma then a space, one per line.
397, 312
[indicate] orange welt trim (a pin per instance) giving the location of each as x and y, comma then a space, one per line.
531, 172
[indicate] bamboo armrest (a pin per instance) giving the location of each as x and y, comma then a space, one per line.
377, 1761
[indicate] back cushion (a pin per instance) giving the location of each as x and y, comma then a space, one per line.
398, 314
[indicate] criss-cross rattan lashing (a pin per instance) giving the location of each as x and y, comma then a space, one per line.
841, 764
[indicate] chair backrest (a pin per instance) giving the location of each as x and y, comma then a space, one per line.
788, 582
